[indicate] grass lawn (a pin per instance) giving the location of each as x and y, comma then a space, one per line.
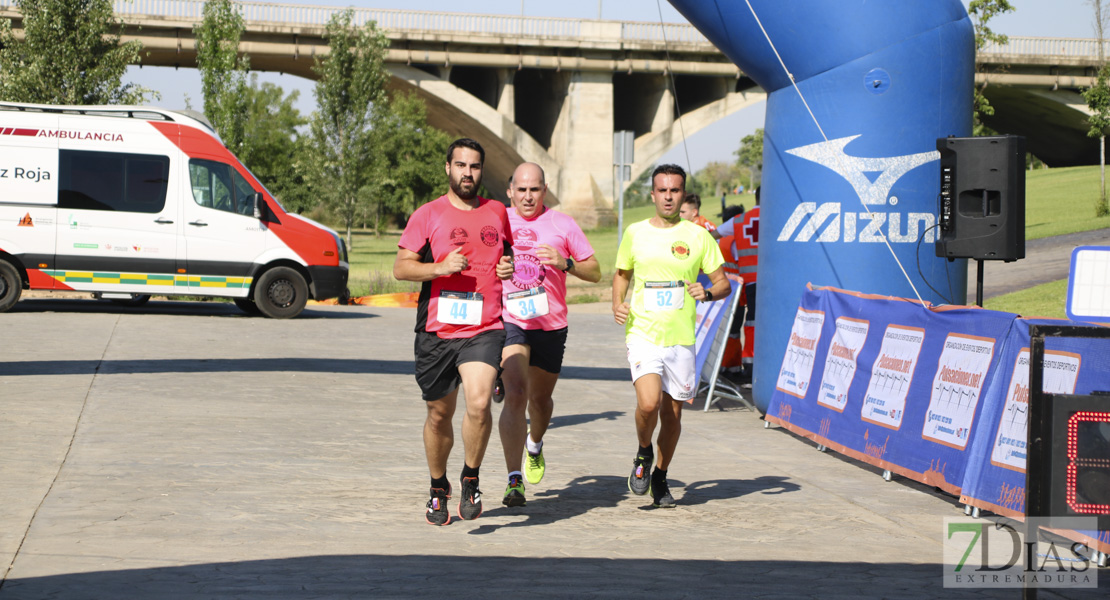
1060, 201
1046, 300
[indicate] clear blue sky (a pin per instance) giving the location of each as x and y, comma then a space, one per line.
1041, 18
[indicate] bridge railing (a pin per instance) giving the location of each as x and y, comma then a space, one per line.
508, 25
1041, 46
405, 20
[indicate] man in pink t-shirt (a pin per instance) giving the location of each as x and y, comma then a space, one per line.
547, 245
457, 246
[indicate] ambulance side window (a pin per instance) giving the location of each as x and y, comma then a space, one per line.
112, 181
217, 185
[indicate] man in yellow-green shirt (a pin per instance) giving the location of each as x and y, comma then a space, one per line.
661, 258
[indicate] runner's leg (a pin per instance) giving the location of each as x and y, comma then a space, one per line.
512, 424
477, 384
670, 428
439, 435
649, 395
540, 404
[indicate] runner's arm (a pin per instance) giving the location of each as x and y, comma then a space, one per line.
720, 286
587, 270
407, 266
621, 279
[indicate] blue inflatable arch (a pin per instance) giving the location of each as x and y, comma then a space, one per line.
856, 161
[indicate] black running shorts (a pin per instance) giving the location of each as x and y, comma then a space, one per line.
438, 360
547, 346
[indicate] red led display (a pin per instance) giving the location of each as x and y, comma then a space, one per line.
1087, 486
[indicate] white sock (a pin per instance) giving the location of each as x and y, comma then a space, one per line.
517, 473
533, 447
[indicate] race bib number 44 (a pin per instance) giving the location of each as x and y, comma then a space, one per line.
459, 308
528, 304
664, 295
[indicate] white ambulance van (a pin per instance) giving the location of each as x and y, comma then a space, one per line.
128, 202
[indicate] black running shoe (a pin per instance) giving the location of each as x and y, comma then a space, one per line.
470, 507
514, 493
639, 482
437, 513
661, 493
498, 391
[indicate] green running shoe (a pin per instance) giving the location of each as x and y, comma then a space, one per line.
534, 466
514, 493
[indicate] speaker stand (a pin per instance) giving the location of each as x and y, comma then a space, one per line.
979, 283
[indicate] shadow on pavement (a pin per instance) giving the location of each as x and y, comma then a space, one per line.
587, 493
571, 420
215, 365
167, 307
595, 373
435, 576
701, 492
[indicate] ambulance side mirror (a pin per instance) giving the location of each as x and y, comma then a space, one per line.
257, 203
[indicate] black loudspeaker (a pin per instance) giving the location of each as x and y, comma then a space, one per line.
982, 198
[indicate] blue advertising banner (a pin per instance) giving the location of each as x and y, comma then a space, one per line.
995, 477
710, 317
889, 381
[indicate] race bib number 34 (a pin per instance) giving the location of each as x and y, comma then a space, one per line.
664, 295
459, 308
527, 304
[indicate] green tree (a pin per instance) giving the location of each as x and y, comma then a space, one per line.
981, 13
223, 72
750, 156
407, 160
351, 81
70, 53
1098, 100
271, 142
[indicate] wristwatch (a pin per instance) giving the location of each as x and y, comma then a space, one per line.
570, 265
708, 295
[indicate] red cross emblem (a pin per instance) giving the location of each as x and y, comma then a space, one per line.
751, 231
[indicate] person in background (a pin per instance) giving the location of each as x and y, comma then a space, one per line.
691, 211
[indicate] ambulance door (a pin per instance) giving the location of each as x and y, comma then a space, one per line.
223, 238
117, 222
29, 192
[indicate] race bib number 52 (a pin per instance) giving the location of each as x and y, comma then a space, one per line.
664, 295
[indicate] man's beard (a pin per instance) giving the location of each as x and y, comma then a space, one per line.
456, 186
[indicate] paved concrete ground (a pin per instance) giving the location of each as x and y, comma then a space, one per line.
183, 450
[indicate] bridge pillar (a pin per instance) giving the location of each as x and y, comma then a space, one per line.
582, 143
506, 94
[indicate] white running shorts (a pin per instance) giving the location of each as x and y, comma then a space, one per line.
673, 364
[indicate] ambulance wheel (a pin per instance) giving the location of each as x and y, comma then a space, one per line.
247, 305
281, 293
134, 300
11, 285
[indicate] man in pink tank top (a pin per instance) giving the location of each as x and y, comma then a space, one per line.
547, 245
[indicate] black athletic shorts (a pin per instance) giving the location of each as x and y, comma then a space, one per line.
547, 346
438, 360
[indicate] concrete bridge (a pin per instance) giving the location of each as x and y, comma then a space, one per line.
553, 91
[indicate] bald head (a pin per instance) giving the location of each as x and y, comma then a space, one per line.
527, 190
528, 168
